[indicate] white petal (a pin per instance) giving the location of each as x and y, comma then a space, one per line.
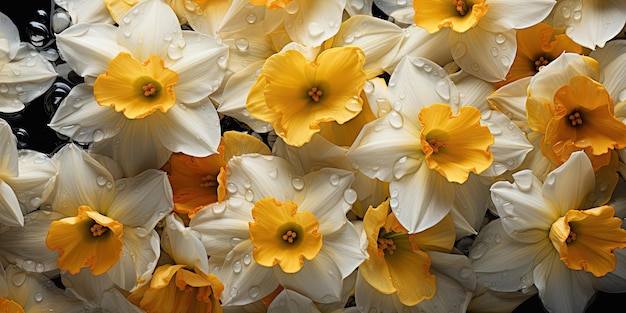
435, 87
612, 62
356, 7
88, 48
182, 245
313, 155
248, 45
244, 280
114, 301
142, 200
81, 180
199, 73
483, 52
257, 176
193, 130
558, 73
422, 199
11, 38
85, 286
567, 187
391, 7
140, 254
319, 279
81, 118
233, 99
419, 43
84, 11
615, 281
510, 99
36, 180
146, 29
378, 38
551, 275
313, 23
342, 247
379, 145
472, 90
326, 193
510, 145
238, 16
370, 299
455, 283
8, 153
516, 14
471, 200
222, 225
525, 215
136, 148
593, 23
26, 245
494, 253
290, 301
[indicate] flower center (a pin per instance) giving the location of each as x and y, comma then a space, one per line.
540, 63
386, 245
571, 237
435, 144
97, 230
315, 94
575, 119
460, 6
290, 236
149, 89
208, 181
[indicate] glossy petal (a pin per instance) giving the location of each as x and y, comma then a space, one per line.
566, 187
36, 180
320, 21
182, 245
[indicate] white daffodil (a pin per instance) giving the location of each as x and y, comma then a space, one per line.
24, 73
550, 236
106, 225
481, 33
26, 179
80, 11
279, 228
429, 143
146, 88
590, 23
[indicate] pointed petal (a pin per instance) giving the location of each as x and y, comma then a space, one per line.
318, 279
471, 200
258, 176
418, 42
567, 187
9, 156
10, 211
368, 298
340, 246
291, 301
182, 245
313, 23
510, 145
140, 254
612, 62
597, 23
36, 180
510, 99
510, 15
325, 197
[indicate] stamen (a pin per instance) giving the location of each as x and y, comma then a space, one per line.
575, 119
208, 181
290, 236
541, 63
97, 230
386, 245
571, 237
149, 90
461, 7
436, 144
315, 94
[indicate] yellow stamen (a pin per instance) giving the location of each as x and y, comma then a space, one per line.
97, 230
315, 94
386, 245
290, 236
575, 119
208, 181
540, 63
149, 90
571, 237
461, 7
435, 143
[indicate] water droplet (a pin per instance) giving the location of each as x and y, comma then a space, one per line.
253, 292
368, 87
292, 7
465, 273
38, 296
443, 89
354, 105
393, 203
251, 18
127, 33
550, 179
500, 39
233, 291
565, 12
494, 51
577, 16
231, 188
273, 173
350, 196
395, 119
458, 50
242, 44
249, 195
297, 183
235, 241
229, 256
348, 38
39, 267
334, 179
4, 88
315, 29
35, 202
237, 267
247, 259
101, 181
506, 61
18, 278
478, 251
222, 62
98, 135
28, 265
475, 67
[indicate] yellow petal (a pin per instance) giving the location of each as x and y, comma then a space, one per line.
271, 4
117, 8
455, 145
282, 236
585, 239
136, 89
238, 143
584, 117
432, 15
9, 306
374, 269
88, 239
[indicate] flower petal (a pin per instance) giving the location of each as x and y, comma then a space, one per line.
341, 246
258, 176
510, 145
182, 245
567, 187
320, 21
10, 211
510, 15
326, 191
36, 180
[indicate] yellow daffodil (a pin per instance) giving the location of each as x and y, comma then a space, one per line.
176, 289
548, 236
537, 46
10, 306
459, 15
296, 95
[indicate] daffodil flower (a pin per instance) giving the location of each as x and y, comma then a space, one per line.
549, 237
296, 95
481, 34
590, 23
107, 224
24, 73
279, 228
429, 143
400, 272
145, 91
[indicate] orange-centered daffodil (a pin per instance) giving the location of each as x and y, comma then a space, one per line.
459, 15
398, 261
283, 236
136, 89
10, 306
455, 145
179, 290
88, 239
585, 239
296, 95
272, 4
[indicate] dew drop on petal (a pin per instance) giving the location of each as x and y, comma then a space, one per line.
292, 7
315, 29
101, 181
38, 296
249, 195
231, 188
297, 183
247, 259
443, 89
465, 272
237, 267
500, 39
251, 18
18, 279
395, 119
253, 292
242, 44
350, 196
334, 179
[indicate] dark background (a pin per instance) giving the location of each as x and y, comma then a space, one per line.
30, 126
